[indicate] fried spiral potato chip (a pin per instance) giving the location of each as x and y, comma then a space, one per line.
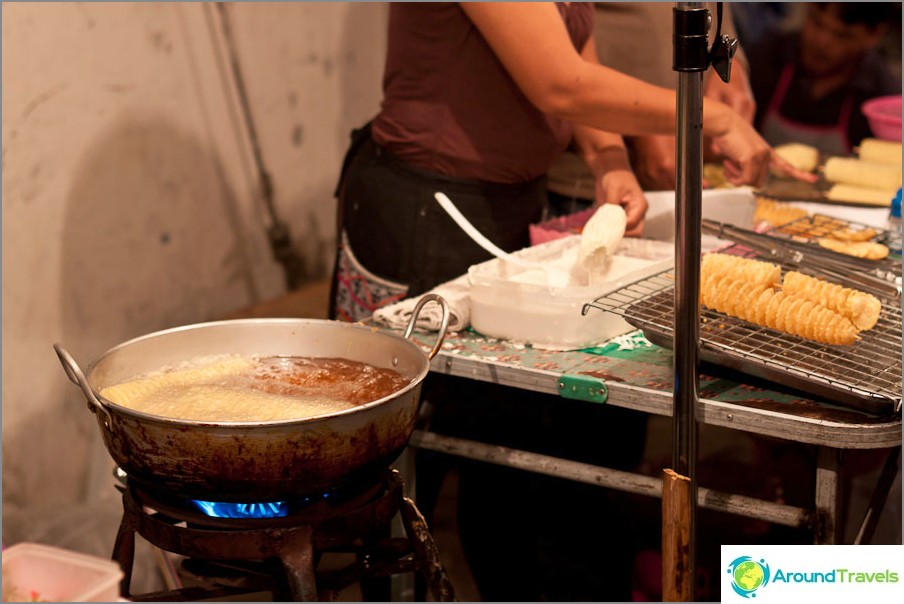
848, 234
861, 308
759, 303
776, 213
811, 308
745, 269
860, 249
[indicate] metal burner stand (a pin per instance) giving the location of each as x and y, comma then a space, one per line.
297, 542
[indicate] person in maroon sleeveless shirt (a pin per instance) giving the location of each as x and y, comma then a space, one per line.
479, 99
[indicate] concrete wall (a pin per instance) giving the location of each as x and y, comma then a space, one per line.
131, 199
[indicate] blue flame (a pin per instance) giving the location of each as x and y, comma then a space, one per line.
270, 509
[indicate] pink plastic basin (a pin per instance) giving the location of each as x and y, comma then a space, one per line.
884, 116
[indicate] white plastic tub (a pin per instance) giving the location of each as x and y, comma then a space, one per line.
35, 572
728, 206
518, 304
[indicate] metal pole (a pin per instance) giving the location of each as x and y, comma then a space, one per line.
691, 25
689, 194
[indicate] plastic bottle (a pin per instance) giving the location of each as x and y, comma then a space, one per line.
894, 235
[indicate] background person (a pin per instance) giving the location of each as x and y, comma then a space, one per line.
810, 83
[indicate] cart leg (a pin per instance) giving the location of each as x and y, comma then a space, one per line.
827, 464
880, 495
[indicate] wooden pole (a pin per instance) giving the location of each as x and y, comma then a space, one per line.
677, 582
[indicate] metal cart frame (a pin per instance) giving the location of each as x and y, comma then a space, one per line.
810, 426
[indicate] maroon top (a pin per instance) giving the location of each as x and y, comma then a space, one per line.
450, 106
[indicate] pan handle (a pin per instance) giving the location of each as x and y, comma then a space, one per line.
77, 377
444, 325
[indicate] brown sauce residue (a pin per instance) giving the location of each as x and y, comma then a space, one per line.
350, 381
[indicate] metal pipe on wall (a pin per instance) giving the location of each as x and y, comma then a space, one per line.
278, 232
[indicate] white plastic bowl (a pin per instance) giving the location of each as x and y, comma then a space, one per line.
37, 572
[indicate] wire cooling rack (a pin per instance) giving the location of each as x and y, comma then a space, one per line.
865, 375
812, 227
797, 242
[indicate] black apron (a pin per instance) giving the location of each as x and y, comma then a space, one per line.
396, 241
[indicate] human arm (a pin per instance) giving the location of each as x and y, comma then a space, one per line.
654, 155
614, 180
616, 30
532, 43
736, 93
607, 158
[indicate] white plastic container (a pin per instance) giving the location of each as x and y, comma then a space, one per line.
518, 304
729, 206
36, 572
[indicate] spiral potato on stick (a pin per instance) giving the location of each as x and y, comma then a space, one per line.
746, 289
861, 308
746, 269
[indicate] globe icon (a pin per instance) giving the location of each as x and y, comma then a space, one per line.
748, 575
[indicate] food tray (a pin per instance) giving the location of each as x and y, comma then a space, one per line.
865, 376
784, 189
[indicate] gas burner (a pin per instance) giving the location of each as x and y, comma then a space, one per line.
354, 519
309, 508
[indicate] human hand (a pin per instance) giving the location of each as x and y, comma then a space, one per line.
736, 93
748, 158
620, 187
653, 159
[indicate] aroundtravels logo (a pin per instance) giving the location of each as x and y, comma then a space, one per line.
817, 573
748, 575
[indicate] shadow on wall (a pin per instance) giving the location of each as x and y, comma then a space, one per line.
152, 239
